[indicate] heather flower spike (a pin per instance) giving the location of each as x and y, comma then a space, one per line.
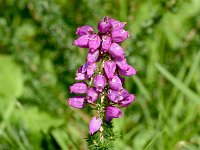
100, 78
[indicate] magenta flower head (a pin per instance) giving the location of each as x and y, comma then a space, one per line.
79, 88
115, 83
100, 78
104, 25
106, 43
77, 102
84, 30
92, 95
110, 67
119, 35
94, 42
94, 125
112, 112
99, 82
116, 51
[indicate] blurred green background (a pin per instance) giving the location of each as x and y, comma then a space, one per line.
38, 63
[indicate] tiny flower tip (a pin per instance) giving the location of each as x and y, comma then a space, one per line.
75, 43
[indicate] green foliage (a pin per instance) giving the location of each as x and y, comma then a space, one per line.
108, 137
38, 63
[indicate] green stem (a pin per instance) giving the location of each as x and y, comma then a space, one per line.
102, 106
102, 111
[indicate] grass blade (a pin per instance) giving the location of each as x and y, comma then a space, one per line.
178, 84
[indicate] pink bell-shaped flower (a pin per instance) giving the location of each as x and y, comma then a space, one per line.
94, 125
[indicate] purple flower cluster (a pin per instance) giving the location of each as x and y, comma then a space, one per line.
102, 74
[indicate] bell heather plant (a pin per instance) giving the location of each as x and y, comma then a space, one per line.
100, 80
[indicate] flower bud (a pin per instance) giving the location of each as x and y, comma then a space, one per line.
94, 125
119, 35
117, 24
112, 112
99, 83
112, 95
109, 67
91, 69
84, 67
84, 30
116, 51
77, 102
127, 101
92, 56
115, 83
79, 88
117, 96
128, 72
94, 42
82, 41
122, 64
106, 43
80, 74
92, 95
111, 20
104, 25
124, 93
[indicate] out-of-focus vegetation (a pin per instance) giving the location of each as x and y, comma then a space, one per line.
38, 63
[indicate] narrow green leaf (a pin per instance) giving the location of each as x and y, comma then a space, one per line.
60, 138
142, 88
154, 139
178, 84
